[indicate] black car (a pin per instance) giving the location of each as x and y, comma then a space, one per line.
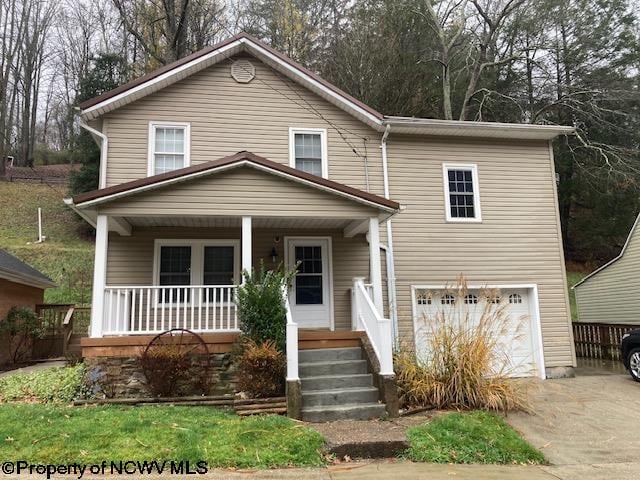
631, 353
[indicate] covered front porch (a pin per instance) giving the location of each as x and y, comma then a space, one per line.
164, 272
171, 250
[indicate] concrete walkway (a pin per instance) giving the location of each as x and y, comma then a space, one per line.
35, 367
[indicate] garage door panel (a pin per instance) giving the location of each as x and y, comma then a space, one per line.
515, 337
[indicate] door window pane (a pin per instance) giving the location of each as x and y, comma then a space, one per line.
309, 290
218, 265
309, 276
175, 269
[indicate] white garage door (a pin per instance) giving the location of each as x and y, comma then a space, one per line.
517, 339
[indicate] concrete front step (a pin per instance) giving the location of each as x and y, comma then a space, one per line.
335, 367
329, 354
331, 382
362, 411
340, 396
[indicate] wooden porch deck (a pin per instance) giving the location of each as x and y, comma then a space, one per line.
132, 345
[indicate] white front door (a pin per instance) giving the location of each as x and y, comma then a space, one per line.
311, 290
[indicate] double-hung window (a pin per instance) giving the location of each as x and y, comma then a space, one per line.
308, 150
169, 145
461, 191
181, 263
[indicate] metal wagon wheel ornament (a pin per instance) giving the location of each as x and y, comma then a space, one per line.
182, 363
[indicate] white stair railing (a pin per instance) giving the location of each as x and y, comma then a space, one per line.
292, 341
156, 309
378, 329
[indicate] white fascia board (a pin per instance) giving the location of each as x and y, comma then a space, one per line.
425, 126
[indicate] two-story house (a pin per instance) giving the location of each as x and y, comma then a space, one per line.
236, 155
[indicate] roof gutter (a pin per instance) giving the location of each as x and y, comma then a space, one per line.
390, 260
104, 146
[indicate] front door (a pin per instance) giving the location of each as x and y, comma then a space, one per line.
310, 296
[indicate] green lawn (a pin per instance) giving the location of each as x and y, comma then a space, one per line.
66, 256
572, 279
62, 435
475, 437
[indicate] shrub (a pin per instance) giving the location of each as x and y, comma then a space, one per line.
22, 326
466, 366
61, 384
261, 305
164, 366
261, 369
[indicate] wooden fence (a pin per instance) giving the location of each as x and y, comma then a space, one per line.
62, 326
599, 340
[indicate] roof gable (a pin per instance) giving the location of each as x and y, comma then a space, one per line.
225, 50
620, 255
115, 192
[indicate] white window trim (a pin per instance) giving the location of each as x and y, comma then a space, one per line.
473, 168
152, 142
197, 257
323, 141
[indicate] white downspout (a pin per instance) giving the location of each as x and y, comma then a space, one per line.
391, 269
102, 183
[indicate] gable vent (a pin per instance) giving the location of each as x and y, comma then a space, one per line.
243, 71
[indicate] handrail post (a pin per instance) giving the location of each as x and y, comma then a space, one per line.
356, 324
294, 387
386, 352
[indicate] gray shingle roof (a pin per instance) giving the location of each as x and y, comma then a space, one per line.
16, 270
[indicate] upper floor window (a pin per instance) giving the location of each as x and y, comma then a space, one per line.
462, 194
168, 147
308, 150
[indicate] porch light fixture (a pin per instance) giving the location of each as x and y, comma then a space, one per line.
274, 254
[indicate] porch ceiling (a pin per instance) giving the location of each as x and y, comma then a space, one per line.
236, 222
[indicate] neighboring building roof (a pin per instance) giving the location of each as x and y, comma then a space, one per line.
624, 248
237, 160
176, 71
15, 270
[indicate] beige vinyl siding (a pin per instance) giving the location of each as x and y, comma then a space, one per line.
130, 259
241, 191
517, 242
227, 117
613, 294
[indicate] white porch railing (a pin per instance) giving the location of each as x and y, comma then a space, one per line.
151, 310
365, 317
292, 342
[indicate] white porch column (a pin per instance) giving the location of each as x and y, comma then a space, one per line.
99, 276
246, 244
375, 270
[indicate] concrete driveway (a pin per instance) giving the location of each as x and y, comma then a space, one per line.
586, 425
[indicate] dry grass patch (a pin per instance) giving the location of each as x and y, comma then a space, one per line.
467, 367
